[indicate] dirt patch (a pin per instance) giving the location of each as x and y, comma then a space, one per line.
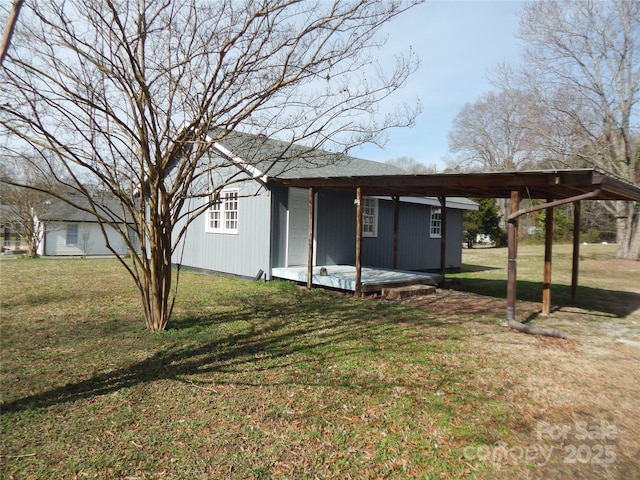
583, 410
448, 302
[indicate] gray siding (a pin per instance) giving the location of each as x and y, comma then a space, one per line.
279, 207
244, 253
378, 251
416, 249
335, 228
262, 235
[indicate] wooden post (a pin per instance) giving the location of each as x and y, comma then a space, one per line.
512, 248
359, 211
443, 235
396, 212
576, 252
310, 238
548, 246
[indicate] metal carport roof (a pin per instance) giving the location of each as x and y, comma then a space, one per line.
538, 184
555, 187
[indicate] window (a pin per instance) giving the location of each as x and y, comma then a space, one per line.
222, 217
370, 217
72, 234
436, 222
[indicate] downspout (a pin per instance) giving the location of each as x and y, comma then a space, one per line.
512, 252
548, 249
575, 262
513, 249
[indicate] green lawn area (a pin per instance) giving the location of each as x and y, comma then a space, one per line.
267, 380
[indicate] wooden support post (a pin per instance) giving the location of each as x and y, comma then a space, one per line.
548, 246
512, 248
359, 212
312, 204
396, 213
443, 235
576, 252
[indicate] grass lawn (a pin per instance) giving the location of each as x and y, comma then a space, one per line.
268, 380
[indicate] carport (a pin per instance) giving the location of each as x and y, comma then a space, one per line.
553, 187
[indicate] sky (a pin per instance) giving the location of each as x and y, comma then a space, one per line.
458, 42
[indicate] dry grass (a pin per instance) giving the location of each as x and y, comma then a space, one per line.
258, 380
590, 382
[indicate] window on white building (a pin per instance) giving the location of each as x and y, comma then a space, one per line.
222, 217
72, 234
435, 230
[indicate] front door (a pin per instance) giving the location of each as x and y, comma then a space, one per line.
298, 227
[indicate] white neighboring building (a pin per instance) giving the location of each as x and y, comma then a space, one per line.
70, 231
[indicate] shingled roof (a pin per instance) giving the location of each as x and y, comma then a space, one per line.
283, 160
295, 165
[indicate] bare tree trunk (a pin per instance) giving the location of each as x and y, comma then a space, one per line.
628, 231
8, 32
634, 247
160, 282
157, 294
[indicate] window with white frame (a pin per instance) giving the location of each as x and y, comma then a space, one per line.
222, 216
435, 230
370, 217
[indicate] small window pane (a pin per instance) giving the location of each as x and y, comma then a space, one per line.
223, 214
370, 217
436, 222
72, 234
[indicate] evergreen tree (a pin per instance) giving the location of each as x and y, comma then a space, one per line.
484, 221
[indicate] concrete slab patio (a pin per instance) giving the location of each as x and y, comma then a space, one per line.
343, 277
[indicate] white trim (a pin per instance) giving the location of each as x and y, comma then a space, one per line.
452, 202
222, 212
432, 212
253, 171
376, 210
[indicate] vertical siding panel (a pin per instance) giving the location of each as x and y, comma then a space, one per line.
279, 206
56, 240
377, 251
336, 228
414, 245
241, 254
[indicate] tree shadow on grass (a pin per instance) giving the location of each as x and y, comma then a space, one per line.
467, 267
275, 332
610, 302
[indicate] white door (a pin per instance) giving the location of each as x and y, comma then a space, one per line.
298, 223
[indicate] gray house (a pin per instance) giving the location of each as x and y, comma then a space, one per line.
259, 226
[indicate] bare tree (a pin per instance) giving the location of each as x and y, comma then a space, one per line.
84, 241
492, 134
28, 208
131, 95
582, 64
411, 165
